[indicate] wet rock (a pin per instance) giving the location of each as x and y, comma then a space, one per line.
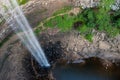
53, 51
107, 64
78, 61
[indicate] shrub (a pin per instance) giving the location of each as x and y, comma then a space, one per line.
115, 18
100, 18
37, 31
89, 37
21, 2
64, 22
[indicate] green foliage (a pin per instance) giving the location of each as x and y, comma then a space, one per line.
84, 29
64, 22
105, 4
112, 31
21, 2
115, 19
101, 18
63, 10
88, 17
37, 31
89, 37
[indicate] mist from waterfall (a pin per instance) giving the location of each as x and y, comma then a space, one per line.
15, 18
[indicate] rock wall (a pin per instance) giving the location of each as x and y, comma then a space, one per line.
86, 3
92, 3
76, 47
5, 31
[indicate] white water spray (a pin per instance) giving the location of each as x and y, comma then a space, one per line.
14, 16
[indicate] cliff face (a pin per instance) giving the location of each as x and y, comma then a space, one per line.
77, 47
93, 3
86, 3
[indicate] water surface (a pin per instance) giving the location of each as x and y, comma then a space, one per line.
90, 71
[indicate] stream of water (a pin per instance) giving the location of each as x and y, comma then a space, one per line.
15, 18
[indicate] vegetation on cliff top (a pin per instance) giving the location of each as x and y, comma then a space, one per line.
100, 18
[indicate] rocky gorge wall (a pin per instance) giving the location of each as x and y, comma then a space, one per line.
73, 47
76, 47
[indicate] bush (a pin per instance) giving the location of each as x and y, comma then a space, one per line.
101, 19
21, 2
89, 37
64, 22
115, 18
37, 31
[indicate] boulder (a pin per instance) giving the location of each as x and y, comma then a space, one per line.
104, 45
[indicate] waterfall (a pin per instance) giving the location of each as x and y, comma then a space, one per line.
14, 16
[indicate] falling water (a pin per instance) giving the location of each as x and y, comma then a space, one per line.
14, 16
